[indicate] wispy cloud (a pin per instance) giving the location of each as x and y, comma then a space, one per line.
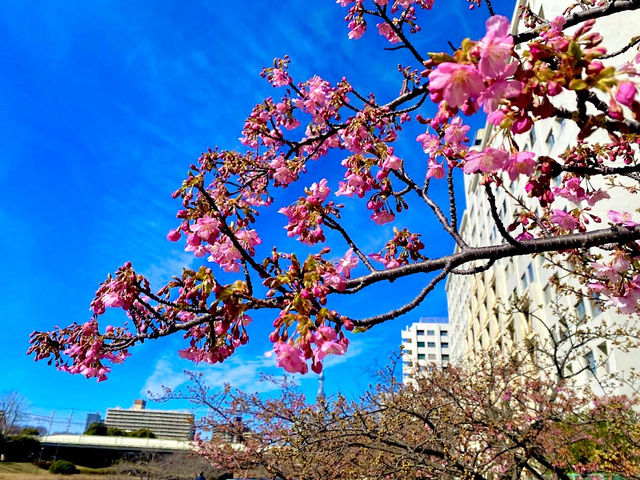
165, 375
241, 372
161, 271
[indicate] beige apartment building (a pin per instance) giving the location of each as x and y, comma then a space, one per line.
168, 424
479, 304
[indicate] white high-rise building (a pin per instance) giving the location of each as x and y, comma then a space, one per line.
425, 344
478, 303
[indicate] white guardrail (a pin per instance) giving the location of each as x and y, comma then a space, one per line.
97, 441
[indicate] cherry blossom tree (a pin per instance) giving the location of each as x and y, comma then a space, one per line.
314, 120
496, 418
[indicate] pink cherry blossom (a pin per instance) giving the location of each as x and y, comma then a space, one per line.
173, 235
489, 160
455, 131
347, 263
627, 304
280, 78
335, 281
388, 263
330, 348
522, 124
499, 89
430, 143
620, 262
282, 173
356, 29
626, 93
435, 170
564, 220
495, 47
392, 163
571, 190
207, 228
290, 358
522, 163
383, 216
455, 83
524, 236
386, 31
318, 192
623, 218
605, 271
112, 299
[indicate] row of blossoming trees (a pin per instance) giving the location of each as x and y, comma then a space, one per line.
311, 120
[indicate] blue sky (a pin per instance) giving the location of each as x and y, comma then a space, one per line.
105, 104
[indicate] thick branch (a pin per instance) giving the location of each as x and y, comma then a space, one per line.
596, 238
601, 169
574, 19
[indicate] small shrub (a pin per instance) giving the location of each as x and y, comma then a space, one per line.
115, 432
21, 448
142, 433
63, 467
96, 428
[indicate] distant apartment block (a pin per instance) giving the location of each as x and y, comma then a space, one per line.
163, 423
425, 344
92, 418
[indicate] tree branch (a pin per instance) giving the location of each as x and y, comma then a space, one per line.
371, 321
574, 19
595, 238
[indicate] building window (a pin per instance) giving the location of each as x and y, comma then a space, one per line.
431, 344
408, 352
590, 360
604, 355
431, 332
421, 356
445, 358
595, 305
420, 344
530, 272
532, 136
551, 140
581, 310
432, 356
419, 332
546, 293
445, 345
443, 333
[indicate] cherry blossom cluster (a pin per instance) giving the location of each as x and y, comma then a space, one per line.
404, 12
307, 215
314, 337
403, 248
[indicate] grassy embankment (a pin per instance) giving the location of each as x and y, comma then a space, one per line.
28, 471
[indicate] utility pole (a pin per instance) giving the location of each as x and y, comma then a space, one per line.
69, 422
51, 422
